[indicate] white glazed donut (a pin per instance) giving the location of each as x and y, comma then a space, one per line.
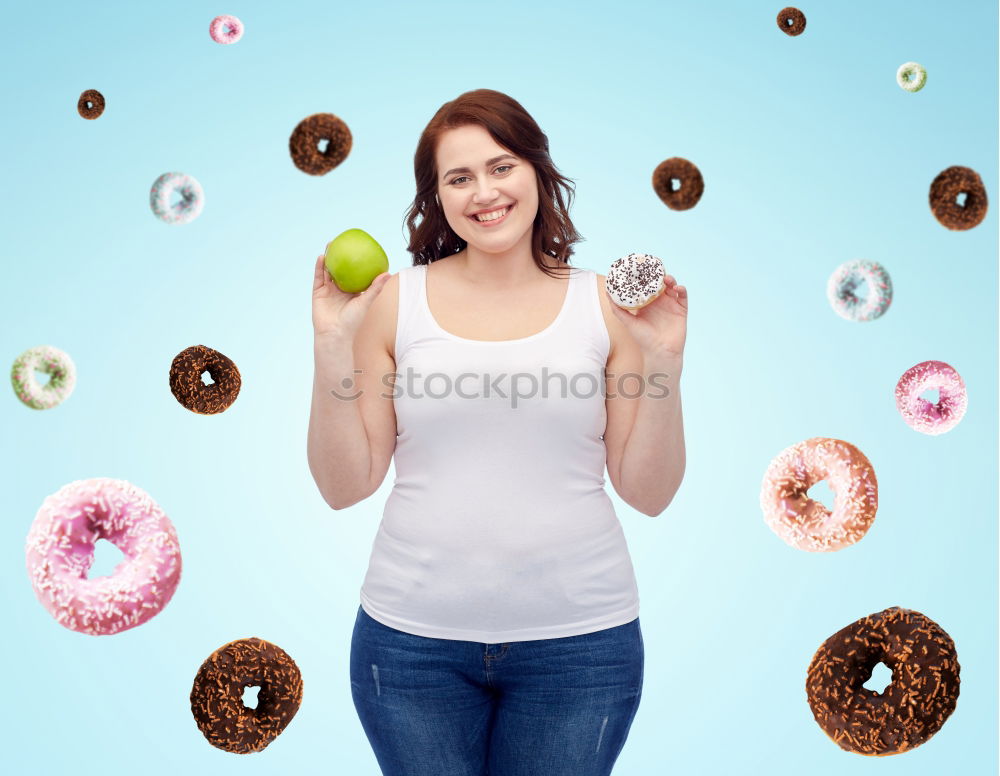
635, 280
848, 278
52, 361
911, 76
192, 198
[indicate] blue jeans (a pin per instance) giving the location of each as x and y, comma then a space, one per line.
443, 707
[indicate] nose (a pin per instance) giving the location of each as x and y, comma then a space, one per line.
485, 193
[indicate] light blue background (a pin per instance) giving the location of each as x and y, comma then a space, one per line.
812, 156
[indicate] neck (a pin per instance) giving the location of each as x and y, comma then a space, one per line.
508, 269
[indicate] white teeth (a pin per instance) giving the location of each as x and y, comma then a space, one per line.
493, 216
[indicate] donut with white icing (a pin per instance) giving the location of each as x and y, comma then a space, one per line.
635, 280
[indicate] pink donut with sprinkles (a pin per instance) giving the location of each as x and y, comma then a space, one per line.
805, 523
920, 414
60, 551
225, 29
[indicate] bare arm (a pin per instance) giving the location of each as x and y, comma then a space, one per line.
654, 459
339, 452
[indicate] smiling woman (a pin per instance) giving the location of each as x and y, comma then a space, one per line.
498, 533
492, 154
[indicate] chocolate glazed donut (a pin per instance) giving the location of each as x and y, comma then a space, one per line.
91, 104
306, 137
912, 708
944, 192
189, 389
797, 18
692, 185
217, 695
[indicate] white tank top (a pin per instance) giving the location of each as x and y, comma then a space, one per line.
498, 527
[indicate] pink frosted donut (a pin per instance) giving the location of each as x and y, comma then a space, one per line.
919, 413
219, 32
805, 523
60, 551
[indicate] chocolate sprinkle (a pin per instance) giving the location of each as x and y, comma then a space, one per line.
305, 139
189, 389
912, 708
217, 695
798, 19
91, 104
692, 185
944, 192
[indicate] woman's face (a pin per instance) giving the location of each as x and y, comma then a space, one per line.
487, 184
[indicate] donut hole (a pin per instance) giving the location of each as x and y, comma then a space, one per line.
675, 184
250, 696
181, 199
822, 493
106, 558
960, 199
206, 378
931, 395
323, 145
858, 291
880, 679
42, 377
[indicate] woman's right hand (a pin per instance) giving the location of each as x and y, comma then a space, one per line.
337, 313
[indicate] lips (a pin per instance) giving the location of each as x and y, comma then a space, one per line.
496, 221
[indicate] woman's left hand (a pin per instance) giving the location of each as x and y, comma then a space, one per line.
660, 327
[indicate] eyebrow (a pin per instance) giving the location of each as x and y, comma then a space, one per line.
488, 163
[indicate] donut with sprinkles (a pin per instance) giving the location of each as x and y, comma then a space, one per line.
217, 695
947, 187
91, 104
309, 133
690, 184
805, 523
59, 552
192, 392
906, 713
635, 280
791, 21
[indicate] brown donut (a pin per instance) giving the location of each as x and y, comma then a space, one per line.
797, 19
912, 708
945, 189
189, 389
305, 139
692, 185
217, 695
91, 104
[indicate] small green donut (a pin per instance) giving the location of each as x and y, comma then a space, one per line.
48, 360
911, 76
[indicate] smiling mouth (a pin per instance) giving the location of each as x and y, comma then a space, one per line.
495, 220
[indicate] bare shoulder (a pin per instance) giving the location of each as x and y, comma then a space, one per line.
385, 310
616, 330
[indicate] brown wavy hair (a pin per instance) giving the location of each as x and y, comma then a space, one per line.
512, 127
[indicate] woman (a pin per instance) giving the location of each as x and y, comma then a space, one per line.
498, 630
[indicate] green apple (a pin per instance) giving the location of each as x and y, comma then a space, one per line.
354, 259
